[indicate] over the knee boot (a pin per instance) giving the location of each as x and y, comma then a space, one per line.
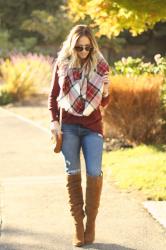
76, 207
93, 192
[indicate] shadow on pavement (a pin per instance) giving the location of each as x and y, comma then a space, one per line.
104, 246
30, 240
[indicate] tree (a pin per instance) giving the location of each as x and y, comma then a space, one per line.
14, 13
111, 17
53, 28
32, 25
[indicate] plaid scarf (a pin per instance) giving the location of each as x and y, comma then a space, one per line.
81, 94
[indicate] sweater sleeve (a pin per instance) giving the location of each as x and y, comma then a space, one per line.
53, 94
105, 101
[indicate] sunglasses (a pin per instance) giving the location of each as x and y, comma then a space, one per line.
81, 48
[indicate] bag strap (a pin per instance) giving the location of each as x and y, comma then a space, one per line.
60, 110
60, 118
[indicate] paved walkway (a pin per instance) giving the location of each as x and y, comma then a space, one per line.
34, 211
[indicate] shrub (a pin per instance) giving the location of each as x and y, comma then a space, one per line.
135, 66
134, 108
161, 69
24, 75
5, 97
138, 99
132, 66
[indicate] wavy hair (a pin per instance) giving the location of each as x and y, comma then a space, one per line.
68, 52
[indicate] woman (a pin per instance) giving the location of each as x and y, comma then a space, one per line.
79, 86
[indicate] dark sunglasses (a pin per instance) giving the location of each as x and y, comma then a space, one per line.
81, 48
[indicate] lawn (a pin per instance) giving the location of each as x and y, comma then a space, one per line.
142, 168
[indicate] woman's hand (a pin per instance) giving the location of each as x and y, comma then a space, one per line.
106, 84
55, 128
106, 90
105, 78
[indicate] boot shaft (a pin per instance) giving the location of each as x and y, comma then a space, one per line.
75, 196
76, 207
93, 194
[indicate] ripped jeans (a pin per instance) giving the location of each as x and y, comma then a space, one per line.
75, 138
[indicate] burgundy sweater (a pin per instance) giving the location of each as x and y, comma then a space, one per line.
93, 121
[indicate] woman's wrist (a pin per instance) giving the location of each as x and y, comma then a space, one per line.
105, 94
54, 124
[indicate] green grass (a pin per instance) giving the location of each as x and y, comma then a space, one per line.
142, 168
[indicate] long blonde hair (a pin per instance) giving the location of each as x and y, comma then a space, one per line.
68, 52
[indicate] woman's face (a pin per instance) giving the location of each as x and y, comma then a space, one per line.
83, 47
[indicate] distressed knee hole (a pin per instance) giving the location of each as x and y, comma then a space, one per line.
72, 172
68, 163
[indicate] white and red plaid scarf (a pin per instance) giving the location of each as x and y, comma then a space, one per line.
80, 94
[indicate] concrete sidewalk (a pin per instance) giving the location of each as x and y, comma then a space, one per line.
35, 214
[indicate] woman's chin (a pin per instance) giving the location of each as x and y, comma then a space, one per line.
83, 57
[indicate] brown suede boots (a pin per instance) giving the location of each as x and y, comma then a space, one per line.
76, 207
93, 192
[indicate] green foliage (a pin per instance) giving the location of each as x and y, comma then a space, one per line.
5, 97
135, 66
160, 64
51, 27
132, 66
14, 13
161, 69
5, 44
30, 25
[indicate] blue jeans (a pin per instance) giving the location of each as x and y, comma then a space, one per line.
75, 138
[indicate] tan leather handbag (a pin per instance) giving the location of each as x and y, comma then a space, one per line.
57, 138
